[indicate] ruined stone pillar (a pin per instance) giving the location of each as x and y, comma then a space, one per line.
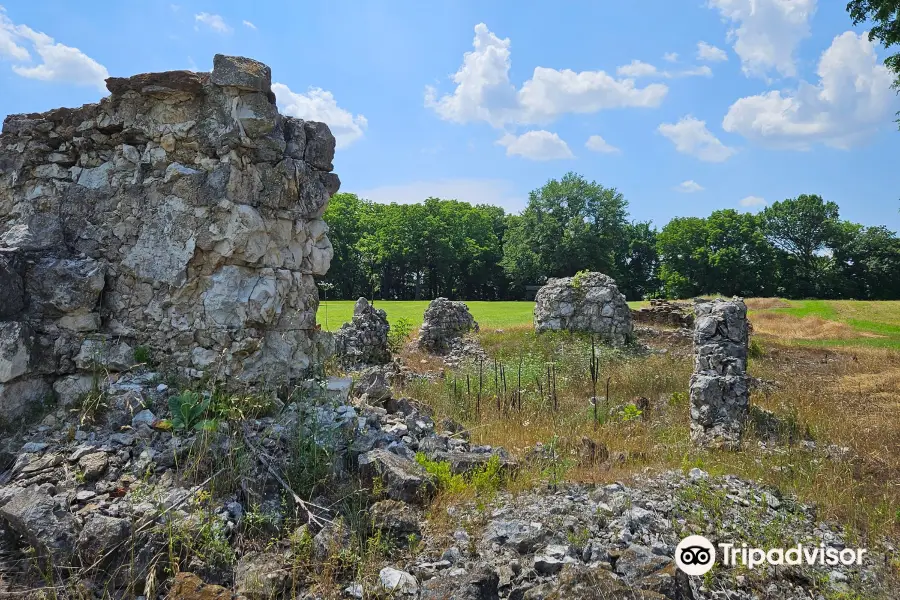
720, 399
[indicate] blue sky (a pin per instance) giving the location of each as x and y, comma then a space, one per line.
685, 106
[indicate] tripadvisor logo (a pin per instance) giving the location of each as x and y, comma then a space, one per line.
696, 555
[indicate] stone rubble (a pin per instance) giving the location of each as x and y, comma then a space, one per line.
666, 313
181, 214
588, 302
719, 389
364, 340
445, 323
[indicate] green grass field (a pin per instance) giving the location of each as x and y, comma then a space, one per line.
869, 323
876, 323
334, 313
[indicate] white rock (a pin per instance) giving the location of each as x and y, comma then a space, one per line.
398, 582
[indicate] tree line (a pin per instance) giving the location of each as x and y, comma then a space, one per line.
796, 248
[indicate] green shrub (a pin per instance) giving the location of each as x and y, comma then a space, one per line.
142, 355
446, 480
398, 334
756, 349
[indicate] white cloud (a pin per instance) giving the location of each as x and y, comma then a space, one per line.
8, 47
710, 53
320, 105
214, 22
497, 192
852, 99
536, 145
751, 201
691, 136
250, 25
689, 187
598, 144
766, 33
670, 57
60, 63
637, 69
484, 91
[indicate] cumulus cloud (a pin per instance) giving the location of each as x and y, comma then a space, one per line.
536, 145
9, 49
689, 187
484, 91
691, 136
320, 105
250, 25
766, 33
670, 57
598, 144
214, 22
710, 53
59, 62
851, 100
751, 201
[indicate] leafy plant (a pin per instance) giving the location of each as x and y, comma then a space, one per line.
399, 333
141, 355
631, 412
446, 480
188, 410
579, 278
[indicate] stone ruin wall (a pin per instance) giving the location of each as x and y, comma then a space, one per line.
181, 213
589, 302
720, 387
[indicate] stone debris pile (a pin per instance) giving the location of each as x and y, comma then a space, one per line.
445, 322
182, 213
665, 313
720, 396
364, 340
588, 302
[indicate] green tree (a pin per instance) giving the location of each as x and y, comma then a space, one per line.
638, 261
684, 258
569, 225
866, 262
801, 229
886, 17
347, 217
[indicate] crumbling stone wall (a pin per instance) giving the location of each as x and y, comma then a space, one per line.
588, 302
181, 213
364, 340
665, 313
720, 397
444, 322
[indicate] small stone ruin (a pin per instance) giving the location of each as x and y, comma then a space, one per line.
445, 321
588, 302
364, 340
180, 215
665, 313
720, 396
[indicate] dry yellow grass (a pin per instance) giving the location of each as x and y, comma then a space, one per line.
787, 327
841, 397
766, 303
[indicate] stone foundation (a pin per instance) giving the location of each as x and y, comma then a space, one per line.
588, 302
720, 387
182, 214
